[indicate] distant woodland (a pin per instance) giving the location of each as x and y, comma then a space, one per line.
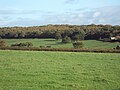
74, 32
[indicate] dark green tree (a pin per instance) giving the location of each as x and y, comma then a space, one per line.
79, 35
78, 44
66, 39
58, 36
29, 44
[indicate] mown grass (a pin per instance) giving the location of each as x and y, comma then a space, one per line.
41, 42
99, 44
57, 44
34, 70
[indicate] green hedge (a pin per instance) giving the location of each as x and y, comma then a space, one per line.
61, 49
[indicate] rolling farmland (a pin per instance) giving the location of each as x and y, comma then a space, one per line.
57, 44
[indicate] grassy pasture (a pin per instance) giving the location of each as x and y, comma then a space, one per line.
57, 44
33, 70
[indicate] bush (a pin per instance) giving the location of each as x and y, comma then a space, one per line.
118, 47
22, 44
57, 36
42, 46
48, 46
29, 44
77, 44
45, 46
26, 44
66, 39
13, 45
2, 43
106, 40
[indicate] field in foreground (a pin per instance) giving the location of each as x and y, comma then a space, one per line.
57, 44
33, 70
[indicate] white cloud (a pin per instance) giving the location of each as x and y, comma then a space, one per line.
101, 20
3, 23
81, 15
96, 14
103, 15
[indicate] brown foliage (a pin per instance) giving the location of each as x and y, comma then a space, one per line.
2, 43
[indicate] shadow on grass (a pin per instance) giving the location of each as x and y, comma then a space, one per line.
49, 40
57, 43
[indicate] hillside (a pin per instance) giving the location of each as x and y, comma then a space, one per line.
57, 44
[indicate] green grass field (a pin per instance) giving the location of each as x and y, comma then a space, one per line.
34, 70
57, 44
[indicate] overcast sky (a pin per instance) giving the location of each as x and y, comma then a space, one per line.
42, 12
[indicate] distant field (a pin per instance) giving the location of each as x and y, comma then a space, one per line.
57, 44
24, 70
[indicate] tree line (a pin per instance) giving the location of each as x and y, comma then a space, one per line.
73, 32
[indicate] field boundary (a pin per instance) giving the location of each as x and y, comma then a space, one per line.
61, 49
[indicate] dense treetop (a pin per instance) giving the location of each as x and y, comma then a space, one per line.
49, 31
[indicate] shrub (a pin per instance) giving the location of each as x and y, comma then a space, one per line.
26, 44
66, 39
13, 45
57, 36
77, 44
48, 46
118, 47
106, 40
29, 44
22, 44
2, 43
42, 46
